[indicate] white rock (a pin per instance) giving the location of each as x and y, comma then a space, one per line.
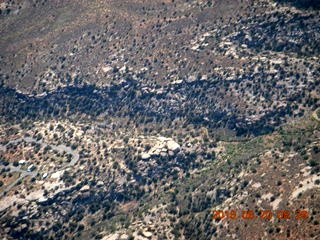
191, 79
100, 183
204, 77
171, 153
57, 175
145, 156
42, 200
163, 154
123, 69
147, 234
106, 69
85, 188
173, 146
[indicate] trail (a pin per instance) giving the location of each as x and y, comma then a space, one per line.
24, 173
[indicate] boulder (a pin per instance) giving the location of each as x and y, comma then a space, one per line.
85, 188
147, 234
100, 183
173, 146
145, 156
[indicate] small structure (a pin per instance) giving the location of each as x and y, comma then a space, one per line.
31, 168
22, 162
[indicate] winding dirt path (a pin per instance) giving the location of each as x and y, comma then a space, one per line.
24, 173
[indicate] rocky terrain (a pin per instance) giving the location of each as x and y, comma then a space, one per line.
136, 119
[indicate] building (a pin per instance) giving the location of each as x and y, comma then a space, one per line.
31, 168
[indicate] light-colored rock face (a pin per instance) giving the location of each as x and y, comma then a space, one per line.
173, 146
275, 203
116, 236
57, 175
160, 146
111, 237
256, 185
106, 69
306, 184
35, 195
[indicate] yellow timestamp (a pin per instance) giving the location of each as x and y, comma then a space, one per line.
283, 214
